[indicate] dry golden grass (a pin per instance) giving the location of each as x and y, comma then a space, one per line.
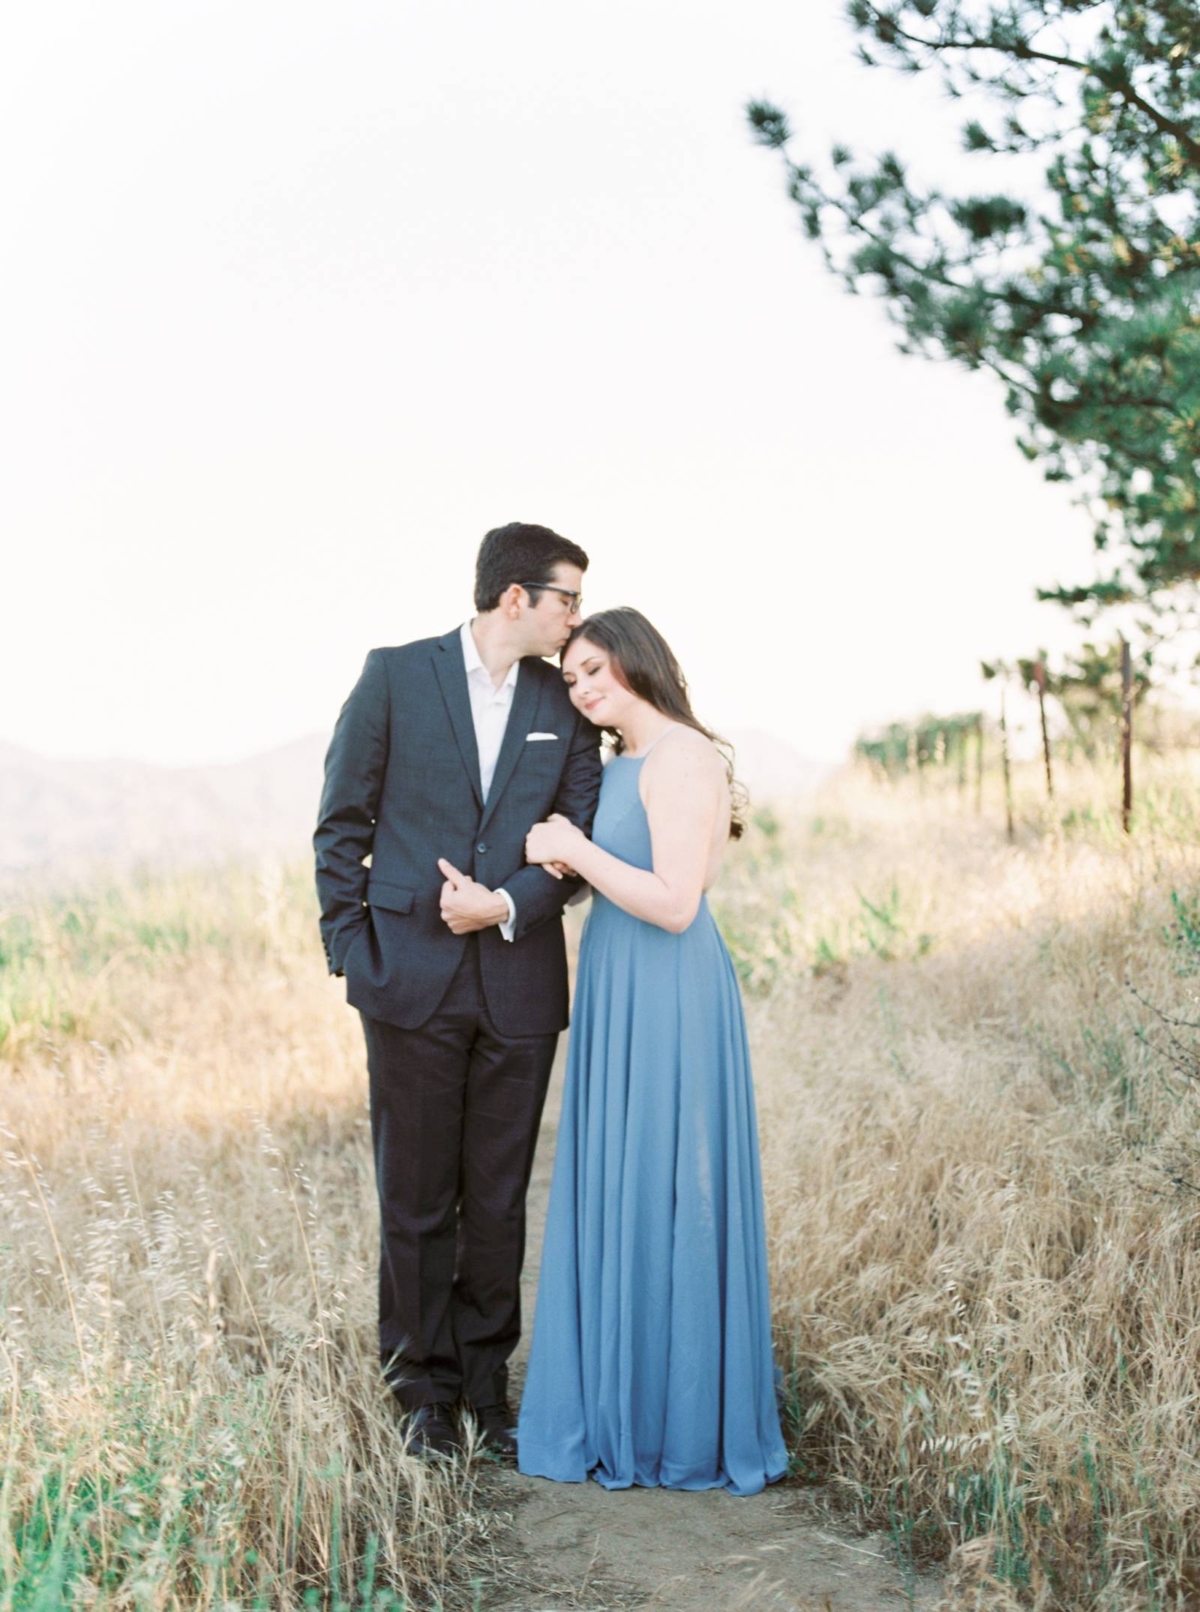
987, 1284
986, 1281
193, 1415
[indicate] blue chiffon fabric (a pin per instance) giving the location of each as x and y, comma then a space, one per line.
651, 1358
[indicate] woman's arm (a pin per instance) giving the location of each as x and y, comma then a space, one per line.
535, 896
684, 792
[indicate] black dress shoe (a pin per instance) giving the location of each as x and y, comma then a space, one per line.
495, 1428
431, 1432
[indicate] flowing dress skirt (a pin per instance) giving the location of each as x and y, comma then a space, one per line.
651, 1358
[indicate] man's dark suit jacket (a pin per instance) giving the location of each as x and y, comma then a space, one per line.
402, 785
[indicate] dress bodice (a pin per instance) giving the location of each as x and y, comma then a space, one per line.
622, 827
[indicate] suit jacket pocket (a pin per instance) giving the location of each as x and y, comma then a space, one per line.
392, 897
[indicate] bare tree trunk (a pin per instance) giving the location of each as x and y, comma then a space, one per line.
1008, 806
1039, 673
1126, 734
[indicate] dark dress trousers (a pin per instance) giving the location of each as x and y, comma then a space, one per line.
460, 1029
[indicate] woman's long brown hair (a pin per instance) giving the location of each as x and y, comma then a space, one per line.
644, 662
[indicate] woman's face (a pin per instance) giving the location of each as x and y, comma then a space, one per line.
596, 690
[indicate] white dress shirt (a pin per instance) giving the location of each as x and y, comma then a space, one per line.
490, 707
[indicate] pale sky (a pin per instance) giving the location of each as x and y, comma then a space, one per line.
296, 301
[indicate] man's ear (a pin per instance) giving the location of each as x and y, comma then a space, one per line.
511, 599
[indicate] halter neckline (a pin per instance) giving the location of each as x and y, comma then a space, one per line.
646, 752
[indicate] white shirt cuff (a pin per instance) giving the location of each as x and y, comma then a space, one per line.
506, 928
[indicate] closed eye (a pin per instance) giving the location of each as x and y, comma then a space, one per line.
590, 667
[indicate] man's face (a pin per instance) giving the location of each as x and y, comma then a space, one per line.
547, 625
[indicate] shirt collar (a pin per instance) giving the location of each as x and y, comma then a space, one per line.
474, 662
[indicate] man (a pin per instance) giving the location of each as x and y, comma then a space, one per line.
446, 753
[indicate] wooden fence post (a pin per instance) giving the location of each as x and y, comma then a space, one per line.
1008, 807
1126, 734
1039, 677
978, 765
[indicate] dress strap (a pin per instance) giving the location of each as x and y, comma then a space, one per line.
659, 740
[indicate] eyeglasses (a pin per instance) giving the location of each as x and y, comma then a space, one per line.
575, 600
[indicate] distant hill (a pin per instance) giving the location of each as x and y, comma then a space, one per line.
772, 769
62, 819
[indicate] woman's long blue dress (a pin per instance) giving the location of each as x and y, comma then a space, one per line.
651, 1358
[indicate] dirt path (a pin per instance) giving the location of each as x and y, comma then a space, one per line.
580, 1548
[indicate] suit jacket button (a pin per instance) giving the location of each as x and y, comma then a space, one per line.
481, 848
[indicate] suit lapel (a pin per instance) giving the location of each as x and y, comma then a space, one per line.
452, 675
520, 716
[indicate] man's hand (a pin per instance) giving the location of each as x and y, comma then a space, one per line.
466, 905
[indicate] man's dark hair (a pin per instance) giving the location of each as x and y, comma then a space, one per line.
520, 553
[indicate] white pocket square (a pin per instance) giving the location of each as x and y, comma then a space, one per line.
530, 737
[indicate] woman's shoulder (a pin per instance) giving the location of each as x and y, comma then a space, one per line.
684, 752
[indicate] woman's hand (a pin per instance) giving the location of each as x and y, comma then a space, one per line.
552, 844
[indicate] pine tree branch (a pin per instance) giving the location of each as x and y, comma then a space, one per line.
1083, 319
1022, 50
1083, 305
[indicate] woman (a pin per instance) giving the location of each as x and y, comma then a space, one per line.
651, 1357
